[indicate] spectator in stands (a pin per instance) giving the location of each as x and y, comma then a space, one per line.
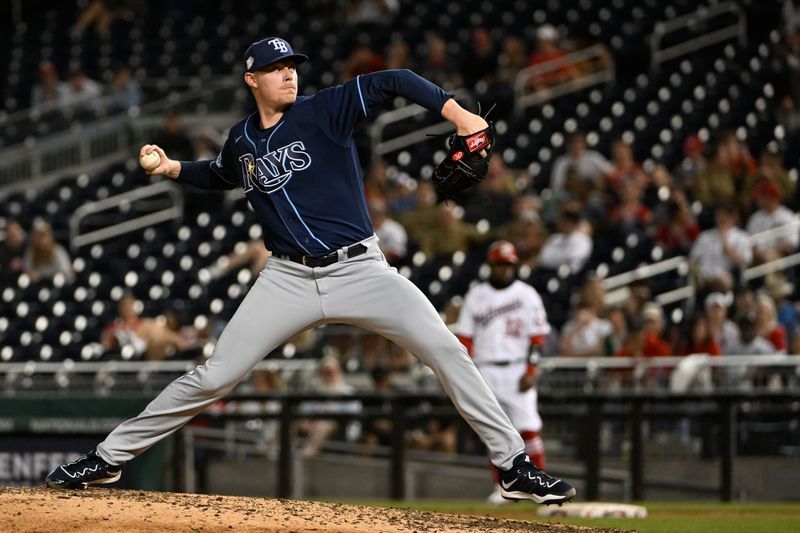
598, 61
372, 12
173, 139
716, 184
593, 293
679, 230
744, 301
101, 14
378, 432
424, 215
749, 341
449, 233
634, 341
625, 168
771, 169
330, 380
513, 58
585, 334
631, 215
362, 60
547, 50
525, 229
44, 257
82, 93
693, 163
12, 250
480, 62
50, 92
767, 323
392, 235
619, 331
436, 435
492, 200
588, 195
740, 162
148, 338
587, 164
124, 91
719, 251
787, 311
571, 246
261, 382
206, 145
770, 215
398, 56
698, 338
654, 344
253, 255
724, 331
438, 67
790, 15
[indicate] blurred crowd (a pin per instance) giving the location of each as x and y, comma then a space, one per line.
707, 208
567, 223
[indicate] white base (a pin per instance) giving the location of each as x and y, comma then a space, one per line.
596, 510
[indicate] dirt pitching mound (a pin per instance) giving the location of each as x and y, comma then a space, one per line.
88, 511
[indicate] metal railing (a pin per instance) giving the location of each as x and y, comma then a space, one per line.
174, 212
556, 373
737, 30
381, 147
524, 98
589, 410
617, 285
92, 146
104, 104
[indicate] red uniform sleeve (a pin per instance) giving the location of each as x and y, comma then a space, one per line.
467, 342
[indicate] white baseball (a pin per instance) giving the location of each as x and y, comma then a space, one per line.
150, 161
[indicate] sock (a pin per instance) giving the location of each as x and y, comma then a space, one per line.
534, 447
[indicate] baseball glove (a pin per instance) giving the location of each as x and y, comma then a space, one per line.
464, 166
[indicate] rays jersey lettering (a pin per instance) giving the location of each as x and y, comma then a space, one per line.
272, 171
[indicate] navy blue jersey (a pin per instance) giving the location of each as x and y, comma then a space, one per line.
302, 176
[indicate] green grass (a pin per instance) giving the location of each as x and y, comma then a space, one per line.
662, 517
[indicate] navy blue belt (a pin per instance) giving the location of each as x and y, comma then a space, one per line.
324, 260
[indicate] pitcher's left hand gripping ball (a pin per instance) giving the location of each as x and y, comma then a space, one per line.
466, 162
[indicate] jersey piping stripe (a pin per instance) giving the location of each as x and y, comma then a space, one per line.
292, 234
361, 96
302, 221
269, 139
247, 135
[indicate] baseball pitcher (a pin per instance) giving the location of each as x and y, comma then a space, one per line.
296, 162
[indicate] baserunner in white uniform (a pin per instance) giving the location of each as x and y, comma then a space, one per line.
295, 159
503, 324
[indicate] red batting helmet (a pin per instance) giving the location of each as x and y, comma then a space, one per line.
502, 253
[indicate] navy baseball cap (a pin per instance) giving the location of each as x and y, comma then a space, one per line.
267, 51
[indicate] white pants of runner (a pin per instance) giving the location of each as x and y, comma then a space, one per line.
287, 298
521, 407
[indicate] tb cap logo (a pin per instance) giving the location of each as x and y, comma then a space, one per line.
279, 45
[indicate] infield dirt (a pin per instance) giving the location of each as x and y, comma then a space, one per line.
94, 510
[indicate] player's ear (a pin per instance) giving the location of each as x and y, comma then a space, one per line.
250, 79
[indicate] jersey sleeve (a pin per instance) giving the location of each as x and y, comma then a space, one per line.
339, 108
465, 326
219, 173
537, 324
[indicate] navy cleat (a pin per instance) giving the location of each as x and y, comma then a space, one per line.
88, 469
526, 482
